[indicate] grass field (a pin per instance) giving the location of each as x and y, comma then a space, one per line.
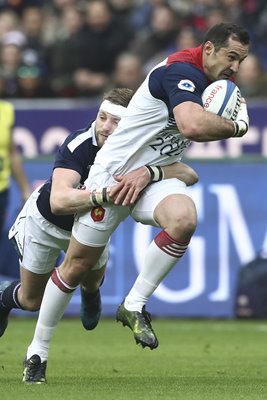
195, 360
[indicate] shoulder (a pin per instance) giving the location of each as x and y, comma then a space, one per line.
81, 138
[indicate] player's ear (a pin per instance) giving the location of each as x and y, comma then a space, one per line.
208, 48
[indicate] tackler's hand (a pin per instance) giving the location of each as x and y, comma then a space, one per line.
129, 186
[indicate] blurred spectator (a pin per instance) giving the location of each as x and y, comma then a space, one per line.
8, 22
165, 26
32, 25
11, 162
63, 54
58, 6
205, 14
234, 9
10, 60
141, 15
19, 5
128, 72
254, 17
251, 78
123, 9
186, 39
31, 83
100, 42
216, 15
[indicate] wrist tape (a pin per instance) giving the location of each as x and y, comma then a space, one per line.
241, 127
156, 173
98, 197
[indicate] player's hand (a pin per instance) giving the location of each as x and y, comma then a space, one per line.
129, 186
242, 120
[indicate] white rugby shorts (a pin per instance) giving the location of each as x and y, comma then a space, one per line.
95, 227
39, 241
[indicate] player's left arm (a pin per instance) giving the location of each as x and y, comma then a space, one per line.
130, 186
18, 172
181, 171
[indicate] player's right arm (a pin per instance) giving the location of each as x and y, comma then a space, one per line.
200, 126
192, 120
65, 198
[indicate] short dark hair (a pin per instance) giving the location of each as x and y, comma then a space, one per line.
220, 34
119, 96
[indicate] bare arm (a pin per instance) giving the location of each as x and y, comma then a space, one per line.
181, 171
65, 198
18, 173
201, 126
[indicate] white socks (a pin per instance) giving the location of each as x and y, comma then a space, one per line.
52, 309
162, 254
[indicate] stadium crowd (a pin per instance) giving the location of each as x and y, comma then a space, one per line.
82, 48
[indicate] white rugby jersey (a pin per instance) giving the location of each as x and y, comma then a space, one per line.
147, 133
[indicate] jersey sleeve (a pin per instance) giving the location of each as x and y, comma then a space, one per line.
184, 82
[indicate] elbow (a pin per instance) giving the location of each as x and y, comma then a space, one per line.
55, 206
192, 179
191, 131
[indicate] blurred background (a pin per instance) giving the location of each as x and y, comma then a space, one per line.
58, 57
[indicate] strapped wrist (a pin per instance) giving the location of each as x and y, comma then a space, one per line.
156, 173
241, 127
98, 197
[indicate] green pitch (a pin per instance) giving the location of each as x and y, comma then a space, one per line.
195, 360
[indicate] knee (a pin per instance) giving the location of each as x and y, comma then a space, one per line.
30, 303
73, 271
181, 220
184, 222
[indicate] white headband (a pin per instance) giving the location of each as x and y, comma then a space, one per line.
112, 108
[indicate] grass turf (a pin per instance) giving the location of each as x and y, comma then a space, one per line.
196, 359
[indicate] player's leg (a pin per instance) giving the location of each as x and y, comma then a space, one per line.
91, 306
85, 248
25, 294
8, 288
176, 214
31, 290
38, 244
55, 300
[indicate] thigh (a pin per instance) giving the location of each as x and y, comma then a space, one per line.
144, 209
95, 227
38, 241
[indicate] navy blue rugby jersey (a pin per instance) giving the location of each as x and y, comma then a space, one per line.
76, 153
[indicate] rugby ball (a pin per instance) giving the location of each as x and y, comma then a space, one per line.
222, 98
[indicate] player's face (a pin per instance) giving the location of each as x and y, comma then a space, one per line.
105, 125
223, 63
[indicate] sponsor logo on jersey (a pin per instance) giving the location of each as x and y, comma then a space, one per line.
97, 213
186, 84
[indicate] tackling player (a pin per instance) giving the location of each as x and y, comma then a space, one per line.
43, 227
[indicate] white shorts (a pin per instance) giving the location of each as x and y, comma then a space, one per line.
95, 227
40, 242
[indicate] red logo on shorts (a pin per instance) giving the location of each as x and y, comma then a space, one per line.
98, 213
